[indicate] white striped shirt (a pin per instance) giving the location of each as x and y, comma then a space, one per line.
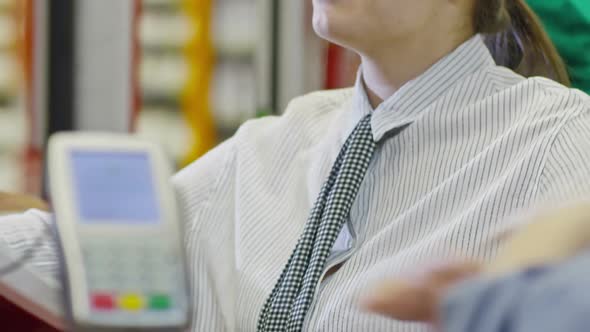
482, 144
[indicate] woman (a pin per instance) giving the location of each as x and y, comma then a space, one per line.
423, 159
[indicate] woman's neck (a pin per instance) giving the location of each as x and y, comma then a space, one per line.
386, 70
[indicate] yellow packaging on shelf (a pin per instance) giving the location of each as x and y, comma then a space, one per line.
194, 97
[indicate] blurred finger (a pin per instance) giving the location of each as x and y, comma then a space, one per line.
401, 300
444, 276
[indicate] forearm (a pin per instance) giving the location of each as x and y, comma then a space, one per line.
555, 298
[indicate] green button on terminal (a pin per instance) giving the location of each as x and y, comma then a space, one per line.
159, 302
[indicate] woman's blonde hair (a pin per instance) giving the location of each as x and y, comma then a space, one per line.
517, 40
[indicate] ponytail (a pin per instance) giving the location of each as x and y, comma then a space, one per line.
517, 40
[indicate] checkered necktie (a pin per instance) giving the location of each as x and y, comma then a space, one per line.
286, 307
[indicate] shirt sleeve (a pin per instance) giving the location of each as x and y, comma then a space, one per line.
197, 184
540, 299
566, 173
206, 191
32, 230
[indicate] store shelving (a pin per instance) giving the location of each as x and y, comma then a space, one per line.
8, 62
164, 32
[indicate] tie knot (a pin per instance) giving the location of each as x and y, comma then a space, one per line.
362, 131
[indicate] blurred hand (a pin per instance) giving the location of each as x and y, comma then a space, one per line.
417, 299
10, 202
551, 237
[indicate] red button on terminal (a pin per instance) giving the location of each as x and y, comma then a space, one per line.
102, 301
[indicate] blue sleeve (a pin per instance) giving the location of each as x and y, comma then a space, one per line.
542, 299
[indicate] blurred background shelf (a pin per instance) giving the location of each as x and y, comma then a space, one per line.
165, 30
8, 63
264, 54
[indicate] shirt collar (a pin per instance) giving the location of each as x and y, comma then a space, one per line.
417, 95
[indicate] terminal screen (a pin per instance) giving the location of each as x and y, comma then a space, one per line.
114, 187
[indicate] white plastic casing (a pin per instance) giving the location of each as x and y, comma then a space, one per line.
73, 233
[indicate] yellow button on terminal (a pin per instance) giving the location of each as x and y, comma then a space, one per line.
131, 302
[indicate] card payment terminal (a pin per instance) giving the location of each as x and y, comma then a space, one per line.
120, 234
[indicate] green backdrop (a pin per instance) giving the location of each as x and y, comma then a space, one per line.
568, 24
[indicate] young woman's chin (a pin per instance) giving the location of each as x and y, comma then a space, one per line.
355, 24
332, 24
